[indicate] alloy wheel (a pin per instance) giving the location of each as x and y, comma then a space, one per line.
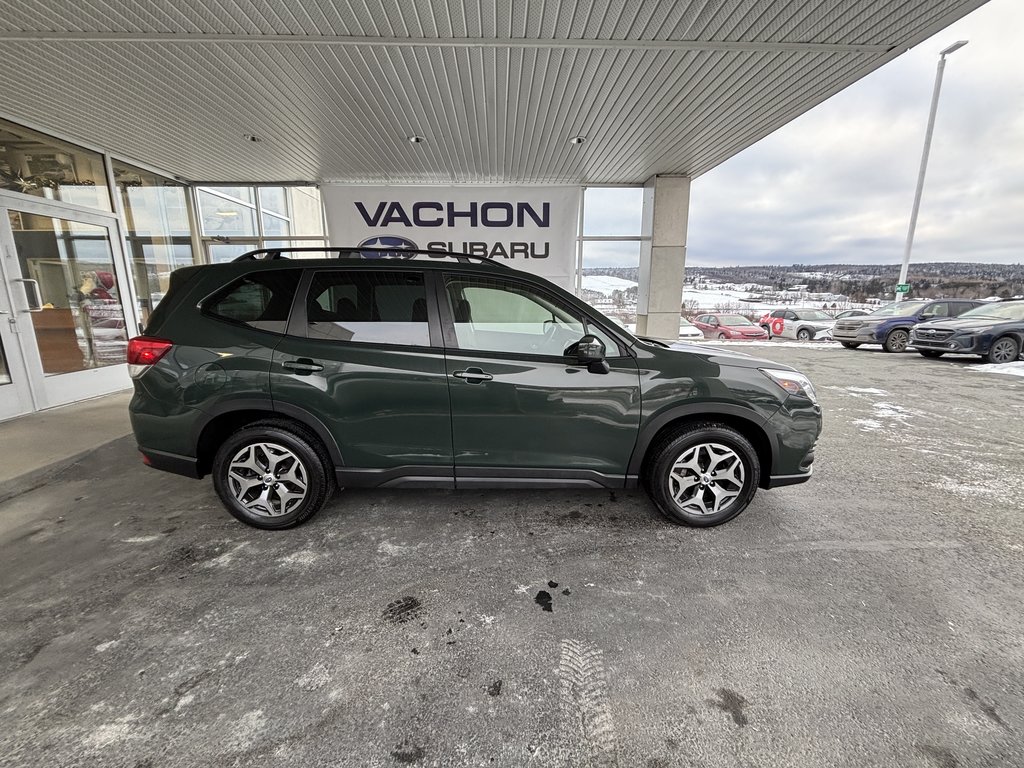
1004, 351
267, 479
706, 479
897, 341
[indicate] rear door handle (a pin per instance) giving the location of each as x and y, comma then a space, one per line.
472, 375
302, 366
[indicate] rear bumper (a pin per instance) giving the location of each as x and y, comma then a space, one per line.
171, 462
778, 481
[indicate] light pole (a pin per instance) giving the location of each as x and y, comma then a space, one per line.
924, 159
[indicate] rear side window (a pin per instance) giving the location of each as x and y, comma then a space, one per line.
260, 300
375, 307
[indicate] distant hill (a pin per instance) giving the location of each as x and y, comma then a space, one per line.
862, 281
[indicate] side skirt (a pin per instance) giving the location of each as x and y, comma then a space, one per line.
478, 477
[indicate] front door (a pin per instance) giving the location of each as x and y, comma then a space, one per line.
63, 301
521, 408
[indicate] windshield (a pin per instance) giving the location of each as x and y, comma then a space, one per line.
1010, 311
900, 309
684, 323
733, 320
813, 314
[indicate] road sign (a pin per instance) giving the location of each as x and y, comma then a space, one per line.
903, 288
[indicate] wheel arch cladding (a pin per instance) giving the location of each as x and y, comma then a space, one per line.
221, 426
661, 428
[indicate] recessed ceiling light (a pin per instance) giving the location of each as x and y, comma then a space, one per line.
577, 139
416, 139
252, 137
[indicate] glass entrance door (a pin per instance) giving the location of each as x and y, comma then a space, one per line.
62, 273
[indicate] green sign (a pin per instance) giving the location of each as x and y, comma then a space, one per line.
903, 288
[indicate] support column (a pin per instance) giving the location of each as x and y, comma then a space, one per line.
662, 256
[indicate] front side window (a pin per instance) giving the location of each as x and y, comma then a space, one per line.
496, 315
372, 307
937, 310
261, 300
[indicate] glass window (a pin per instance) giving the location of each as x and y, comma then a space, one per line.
262, 216
37, 165
498, 315
225, 217
937, 310
5, 376
376, 307
158, 231
81, 324
611, 211
260, 299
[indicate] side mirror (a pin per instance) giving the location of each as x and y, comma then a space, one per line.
589, 351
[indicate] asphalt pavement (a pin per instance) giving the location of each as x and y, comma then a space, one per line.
872, 617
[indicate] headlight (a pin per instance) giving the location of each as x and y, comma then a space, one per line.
791, 381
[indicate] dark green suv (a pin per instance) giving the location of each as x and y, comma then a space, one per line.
285, 378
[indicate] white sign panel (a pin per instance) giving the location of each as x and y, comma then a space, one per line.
529, 228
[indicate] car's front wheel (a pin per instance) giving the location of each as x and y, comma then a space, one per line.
805, 334
849, 344
896, 341
272, 474
1003, 350
932, 353
703, 474
722, 337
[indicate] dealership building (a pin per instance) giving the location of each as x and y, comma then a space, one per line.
136, 138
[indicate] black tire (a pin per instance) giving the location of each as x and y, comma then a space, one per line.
932, 353
722, 337
896, 340
661, 483
301, 458
804, 334
1005, 349
767, 329
849, 344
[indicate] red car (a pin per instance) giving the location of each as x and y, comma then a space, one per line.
726, 326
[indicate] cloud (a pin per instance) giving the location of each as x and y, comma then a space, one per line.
836, 185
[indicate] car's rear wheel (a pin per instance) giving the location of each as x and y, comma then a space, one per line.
1003, 350
272, 474
849, 344
896, 341
703, 474
722, 337
804, 334
932, 353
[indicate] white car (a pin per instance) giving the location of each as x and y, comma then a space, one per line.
688, 330
801, 324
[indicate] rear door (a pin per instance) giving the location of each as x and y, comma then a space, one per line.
521, 408
364, 355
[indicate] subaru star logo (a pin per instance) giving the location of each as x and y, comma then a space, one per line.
391, 247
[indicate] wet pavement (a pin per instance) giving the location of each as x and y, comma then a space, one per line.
870, 617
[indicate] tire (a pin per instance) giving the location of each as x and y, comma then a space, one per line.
700, 444
301, 465
804, 334
849, 344
722, 337
1005, 349
932, 353
767, 329
896, 341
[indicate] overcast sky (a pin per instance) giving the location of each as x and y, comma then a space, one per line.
836, 185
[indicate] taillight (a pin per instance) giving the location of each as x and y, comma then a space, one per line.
143, 351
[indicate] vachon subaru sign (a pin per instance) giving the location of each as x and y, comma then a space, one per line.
529, 228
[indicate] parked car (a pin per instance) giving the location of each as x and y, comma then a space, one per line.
723, 326
993, 331
802, 324
890, 325
851, 313
688, 330
284, 379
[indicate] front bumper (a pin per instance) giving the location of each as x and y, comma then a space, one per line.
952, 345
860, 336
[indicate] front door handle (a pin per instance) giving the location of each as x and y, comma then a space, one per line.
35, 289
472, 375
303, 366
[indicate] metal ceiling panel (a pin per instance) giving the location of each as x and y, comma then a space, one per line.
334, 87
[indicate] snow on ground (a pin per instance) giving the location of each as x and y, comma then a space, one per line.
1009, 369
783, 343
606, 284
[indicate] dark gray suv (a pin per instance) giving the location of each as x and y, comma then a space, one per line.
287, 378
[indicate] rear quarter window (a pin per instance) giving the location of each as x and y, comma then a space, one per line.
260, 300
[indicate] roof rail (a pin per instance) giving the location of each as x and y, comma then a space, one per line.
269, 254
